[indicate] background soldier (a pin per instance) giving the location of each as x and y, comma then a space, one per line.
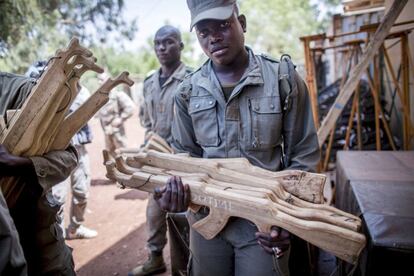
79, 181
156, 114
112, 116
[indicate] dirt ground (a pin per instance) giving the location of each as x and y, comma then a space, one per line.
117, 214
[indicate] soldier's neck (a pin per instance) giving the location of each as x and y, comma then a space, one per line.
168, 69
232, 73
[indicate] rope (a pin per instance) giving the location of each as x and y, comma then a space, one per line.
185, 243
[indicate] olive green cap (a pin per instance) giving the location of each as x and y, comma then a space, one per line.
210, 9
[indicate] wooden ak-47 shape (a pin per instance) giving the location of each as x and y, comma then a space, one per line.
238, 170
75, 121
42, 124
153, 142
261, 199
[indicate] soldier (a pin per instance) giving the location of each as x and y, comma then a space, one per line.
235, 106
12, 261
79, 181
156, 114
34, 213
112, 116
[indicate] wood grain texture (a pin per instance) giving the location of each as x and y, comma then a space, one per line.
230, 191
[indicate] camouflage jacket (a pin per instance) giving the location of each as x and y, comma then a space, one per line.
120, 106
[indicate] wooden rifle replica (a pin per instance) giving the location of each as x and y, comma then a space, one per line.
289, 199
42, 124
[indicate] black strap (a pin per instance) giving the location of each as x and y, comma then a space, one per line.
286, 73
285, 81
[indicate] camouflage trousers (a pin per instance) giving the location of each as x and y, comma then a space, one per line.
115, 141
79, 183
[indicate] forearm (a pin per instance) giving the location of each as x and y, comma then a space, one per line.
54, 167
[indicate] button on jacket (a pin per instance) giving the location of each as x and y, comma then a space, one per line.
251, 123
156, 110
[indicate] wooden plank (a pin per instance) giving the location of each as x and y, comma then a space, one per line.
357, 72
311, 81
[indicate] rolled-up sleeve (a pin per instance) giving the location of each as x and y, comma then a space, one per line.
55, 166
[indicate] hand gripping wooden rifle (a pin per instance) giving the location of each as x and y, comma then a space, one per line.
42, 124
233, 187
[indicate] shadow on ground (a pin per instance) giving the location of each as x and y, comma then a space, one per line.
132, 195
103, 182
120, 257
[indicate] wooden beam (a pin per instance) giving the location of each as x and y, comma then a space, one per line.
357, 72
311, 81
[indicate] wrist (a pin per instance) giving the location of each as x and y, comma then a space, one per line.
21, 165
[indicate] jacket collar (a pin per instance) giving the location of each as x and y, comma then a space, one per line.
178, 74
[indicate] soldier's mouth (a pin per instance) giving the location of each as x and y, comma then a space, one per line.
219, 51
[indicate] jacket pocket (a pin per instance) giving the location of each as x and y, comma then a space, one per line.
204, 116
265, 122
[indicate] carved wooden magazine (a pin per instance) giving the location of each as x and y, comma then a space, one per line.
42, 124
233, 187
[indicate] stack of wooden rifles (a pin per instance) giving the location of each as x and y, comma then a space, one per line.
290, 199
42, 123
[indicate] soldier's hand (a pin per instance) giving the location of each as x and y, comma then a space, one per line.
13, 165
276, 242
174, 197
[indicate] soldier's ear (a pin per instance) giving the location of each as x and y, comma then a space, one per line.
243, 22
181, 45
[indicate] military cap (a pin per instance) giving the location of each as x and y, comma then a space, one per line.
210, 9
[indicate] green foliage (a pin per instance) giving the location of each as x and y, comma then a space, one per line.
33, 29
275, 26
143, 61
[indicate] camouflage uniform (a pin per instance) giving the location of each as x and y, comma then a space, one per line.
156, 114
112, 115
80, 179
35, 215
250, 124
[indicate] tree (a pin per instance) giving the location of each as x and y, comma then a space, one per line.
30, 29
274, 26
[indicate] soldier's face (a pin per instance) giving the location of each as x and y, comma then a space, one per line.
222, 40
167, 47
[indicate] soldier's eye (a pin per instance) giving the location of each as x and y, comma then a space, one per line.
202, 33
225, 25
